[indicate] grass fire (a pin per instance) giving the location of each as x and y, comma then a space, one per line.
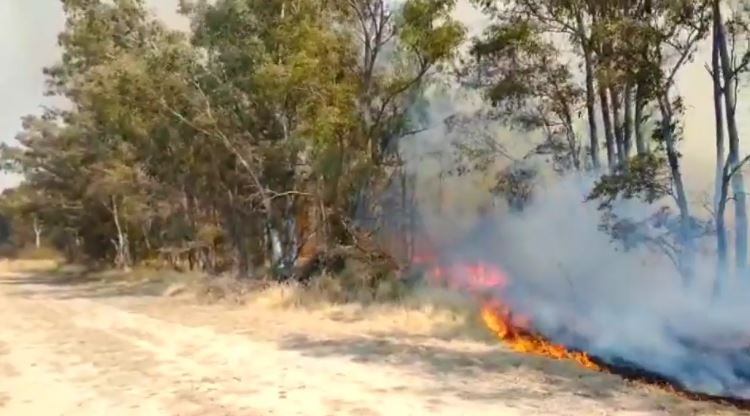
514, 330
487, 283
521, 338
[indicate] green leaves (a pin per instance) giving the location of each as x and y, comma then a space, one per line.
264, 111
647, 178
427, 29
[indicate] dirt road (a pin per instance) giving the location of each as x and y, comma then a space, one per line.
76, 349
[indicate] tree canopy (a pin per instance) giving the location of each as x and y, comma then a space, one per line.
260, 136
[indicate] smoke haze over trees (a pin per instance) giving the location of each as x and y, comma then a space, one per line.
267, 136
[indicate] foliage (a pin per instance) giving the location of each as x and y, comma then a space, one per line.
646, 179
238, 146
252, 142
527, 84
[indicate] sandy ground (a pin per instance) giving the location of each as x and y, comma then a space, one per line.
84, 349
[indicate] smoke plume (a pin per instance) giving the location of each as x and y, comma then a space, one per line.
578, 287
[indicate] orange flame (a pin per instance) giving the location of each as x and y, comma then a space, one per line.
516, 335
516, 331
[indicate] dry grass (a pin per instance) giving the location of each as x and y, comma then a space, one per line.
39, 253
164, 282
422, 311
28, 265
388, 307
31, 259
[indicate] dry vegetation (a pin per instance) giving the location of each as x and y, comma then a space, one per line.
390, 306
31, 260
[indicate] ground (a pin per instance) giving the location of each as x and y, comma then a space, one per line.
83, 348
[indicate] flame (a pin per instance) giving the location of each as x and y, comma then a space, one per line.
516, 334
515, 331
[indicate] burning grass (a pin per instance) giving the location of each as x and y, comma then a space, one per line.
441, 308
643, 376
487, 283
515, 331
517, 335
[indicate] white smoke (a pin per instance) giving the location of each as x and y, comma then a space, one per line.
581, 289
578, 286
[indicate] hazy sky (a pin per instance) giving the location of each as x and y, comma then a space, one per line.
28, 42
28, 30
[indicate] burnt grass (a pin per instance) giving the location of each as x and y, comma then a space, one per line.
632, 372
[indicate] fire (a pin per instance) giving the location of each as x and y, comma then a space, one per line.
517, 335
516, 331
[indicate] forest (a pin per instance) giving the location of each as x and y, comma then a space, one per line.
270, 140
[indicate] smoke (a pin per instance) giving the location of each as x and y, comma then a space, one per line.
581, 290
578, 287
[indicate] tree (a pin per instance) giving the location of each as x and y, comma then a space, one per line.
726, 68
528, 87
237, 145
545, 21
630, 54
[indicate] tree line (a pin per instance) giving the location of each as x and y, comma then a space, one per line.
259, 137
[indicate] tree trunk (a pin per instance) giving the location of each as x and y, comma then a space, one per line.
628, 121
413, 217
405, 231
285, 239
674, 164
721, 235
590, 93
122, 247
617, 119
572, 140
37, 233
720, 197
441, 186
738, 182
241, 248
686, 237
146, 231
239, 242
608, 133
640, 103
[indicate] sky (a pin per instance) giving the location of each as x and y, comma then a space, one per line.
28, 43
28, 30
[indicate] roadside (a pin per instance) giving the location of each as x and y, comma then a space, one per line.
72, 347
